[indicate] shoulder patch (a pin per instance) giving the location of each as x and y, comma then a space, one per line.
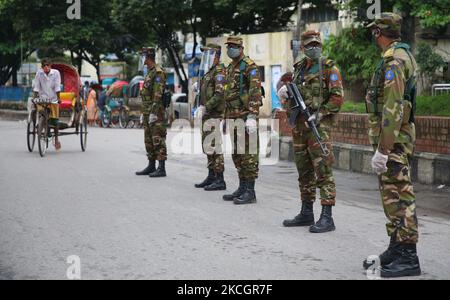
220, 78
158, 79
390, 75
334, 77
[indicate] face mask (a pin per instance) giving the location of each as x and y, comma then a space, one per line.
314, 53
234, 53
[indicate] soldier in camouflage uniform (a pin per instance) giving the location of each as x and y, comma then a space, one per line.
243, 98
391, 104
212, 107
153, 111
320, 83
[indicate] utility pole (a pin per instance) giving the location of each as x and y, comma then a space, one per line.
297, 40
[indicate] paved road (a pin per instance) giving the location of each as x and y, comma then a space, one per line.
123, 227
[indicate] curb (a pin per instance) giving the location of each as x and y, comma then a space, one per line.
13, 115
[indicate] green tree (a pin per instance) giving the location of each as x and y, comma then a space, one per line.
45, 27
355, 54
429, 63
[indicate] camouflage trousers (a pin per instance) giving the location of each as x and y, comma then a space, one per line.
314, 169
245, 154
155, 140
399, 201
212, 145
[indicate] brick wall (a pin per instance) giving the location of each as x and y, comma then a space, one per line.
433, 133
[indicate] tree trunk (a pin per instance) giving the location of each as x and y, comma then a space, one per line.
176, 62
79, 62
14, 76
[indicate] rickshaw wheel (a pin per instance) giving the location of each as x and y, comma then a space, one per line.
31, 131
83, 132
42, 135
106, 120
123, 119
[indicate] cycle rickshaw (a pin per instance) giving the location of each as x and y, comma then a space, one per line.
72, 107
133, 101
115, 112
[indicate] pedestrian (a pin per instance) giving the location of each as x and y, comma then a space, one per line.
320, 83
243, 98
212, 107
153, 110
91, 105
391, 105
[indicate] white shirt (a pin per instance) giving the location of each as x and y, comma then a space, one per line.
48, 85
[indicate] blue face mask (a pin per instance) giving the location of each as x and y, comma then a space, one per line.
233, 52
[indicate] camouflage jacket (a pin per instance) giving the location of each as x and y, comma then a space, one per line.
328, 98
389, 112
154, 85
243, 98
212, 87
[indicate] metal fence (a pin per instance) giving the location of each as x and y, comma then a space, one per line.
439, 89
14, 94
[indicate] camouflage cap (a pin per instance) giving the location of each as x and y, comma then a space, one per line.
235, 40
389, 23
149, 52
216, 47
311, 36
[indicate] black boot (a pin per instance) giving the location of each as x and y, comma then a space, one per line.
325, 223
386, 258
249, 196
210, 179
218, 184
147, 171
406, 263
305, 218
161, 171
241, 189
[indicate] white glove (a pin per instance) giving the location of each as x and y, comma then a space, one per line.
152, 119
316, 118
141, 119
379, 163
195, 86
283, 93
251, 125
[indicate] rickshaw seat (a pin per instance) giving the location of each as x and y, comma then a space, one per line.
67, 101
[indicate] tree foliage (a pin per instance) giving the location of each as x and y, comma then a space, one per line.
354, 52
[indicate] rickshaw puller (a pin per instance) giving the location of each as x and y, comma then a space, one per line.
47, 85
